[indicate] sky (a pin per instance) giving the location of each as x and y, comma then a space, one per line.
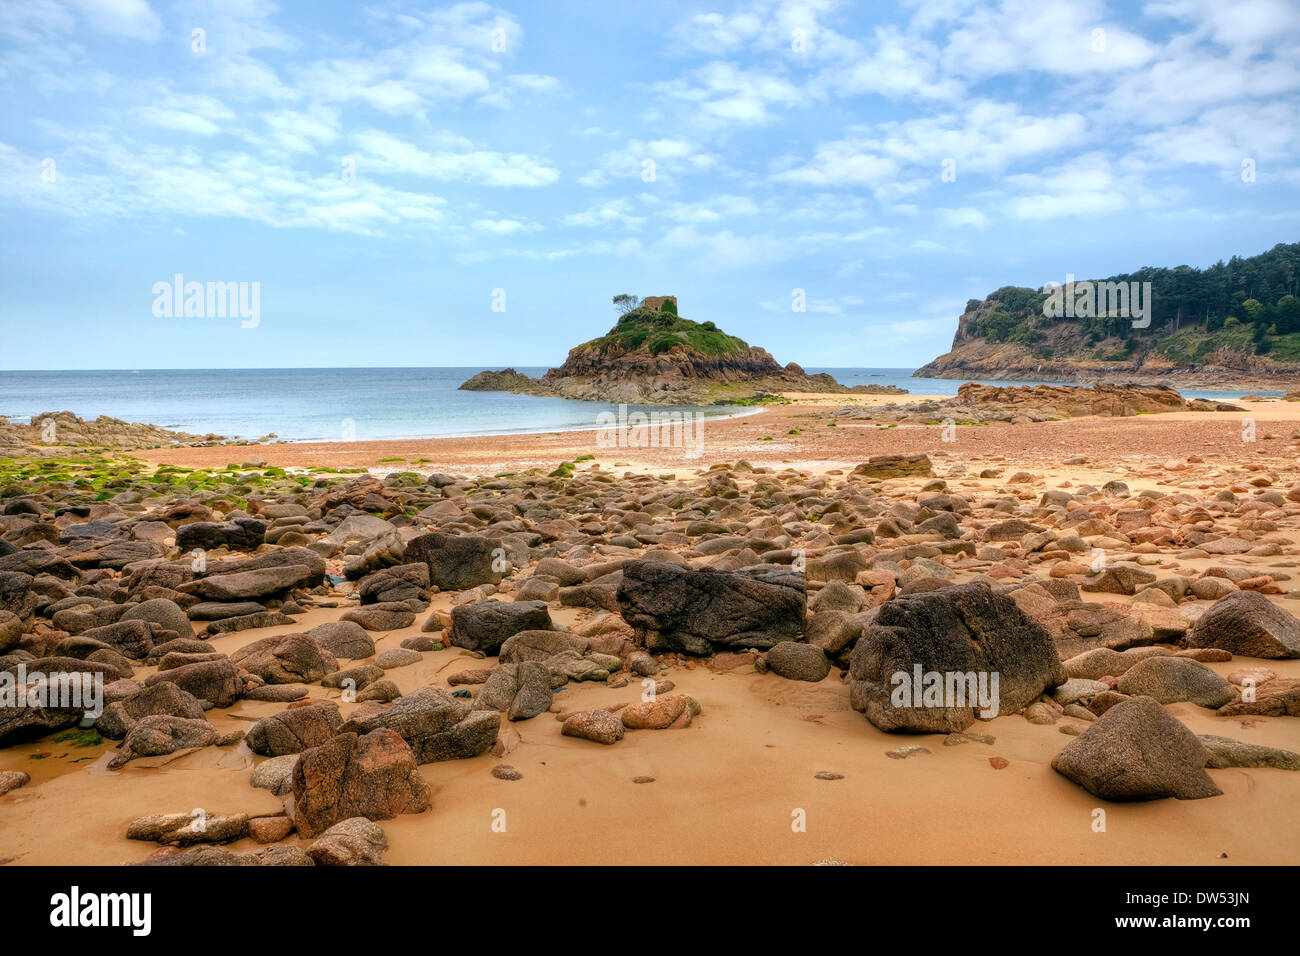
416, 184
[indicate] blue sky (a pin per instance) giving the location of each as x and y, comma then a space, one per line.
796, 144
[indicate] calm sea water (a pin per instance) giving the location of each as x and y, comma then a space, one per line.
333, 404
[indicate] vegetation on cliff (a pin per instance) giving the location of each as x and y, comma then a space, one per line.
1239, 316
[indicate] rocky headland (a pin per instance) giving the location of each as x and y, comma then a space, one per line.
1235, 324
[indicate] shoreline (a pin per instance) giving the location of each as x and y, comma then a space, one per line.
801, 435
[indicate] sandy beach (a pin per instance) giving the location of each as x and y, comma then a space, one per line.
727, 788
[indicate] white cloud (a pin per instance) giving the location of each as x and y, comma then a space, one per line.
128, 18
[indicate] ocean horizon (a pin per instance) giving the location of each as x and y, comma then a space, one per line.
361, 404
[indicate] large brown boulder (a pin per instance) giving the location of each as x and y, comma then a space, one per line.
436, 725
672, 608
1249, 624
251, 585
370, 775
286, 659
960, 639
215, 681
485, 626
456, 562
1137, 750
158, 699
294, 730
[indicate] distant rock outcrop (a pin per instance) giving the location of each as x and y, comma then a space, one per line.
64, 429
657, 358
1018, 404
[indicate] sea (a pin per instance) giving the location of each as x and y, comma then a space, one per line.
339, 404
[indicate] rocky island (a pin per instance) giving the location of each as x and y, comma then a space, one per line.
653, 356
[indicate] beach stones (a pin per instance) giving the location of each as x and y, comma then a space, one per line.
187, 829
392, 616
457, 562
670, 712
1249, 624
1136, 750
346, 640
597, 725
485, 626
796, 661
702, 611
239, 534
294, 730
353, 842
1172, 679
215, 681
958, 640
371, 775
436, 725
286, 659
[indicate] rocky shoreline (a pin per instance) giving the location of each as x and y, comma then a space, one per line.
1254, 374
317, 651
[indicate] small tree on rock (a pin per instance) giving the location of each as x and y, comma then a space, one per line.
626, 303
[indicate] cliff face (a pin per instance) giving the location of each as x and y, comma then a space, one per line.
656, 358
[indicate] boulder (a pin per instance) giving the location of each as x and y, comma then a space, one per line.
159, 735
286, 659
346, 640
215, 681
485, 626
239, 534
392, 616
1170, 680
1137, 750
353, 842
456, 562
1249, 624
294, 730
251, 585
598, 725
962, 639
795, 661
664, 712
436, 725
166, 614
371, 775
158, 699
672, 608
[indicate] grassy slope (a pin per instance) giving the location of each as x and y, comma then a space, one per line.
660, 331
